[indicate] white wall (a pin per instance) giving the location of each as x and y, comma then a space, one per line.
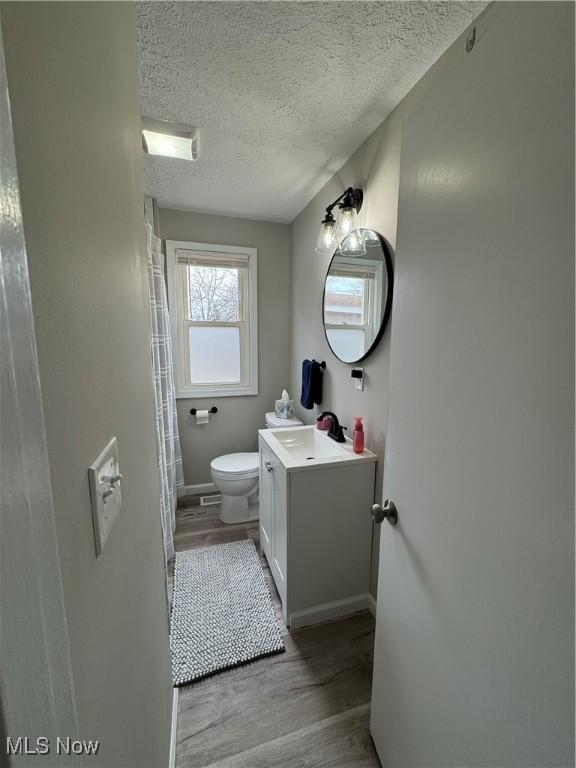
375, 167
234, 427
73, 87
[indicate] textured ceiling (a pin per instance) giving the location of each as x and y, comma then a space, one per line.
283, 92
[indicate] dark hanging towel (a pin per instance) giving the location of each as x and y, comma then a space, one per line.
311, 384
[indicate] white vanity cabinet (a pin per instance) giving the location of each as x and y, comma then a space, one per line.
315, 524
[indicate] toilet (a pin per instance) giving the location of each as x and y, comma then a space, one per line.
236, 475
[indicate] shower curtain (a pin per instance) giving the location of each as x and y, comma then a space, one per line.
169, 455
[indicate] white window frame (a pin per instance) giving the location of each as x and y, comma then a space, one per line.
179, 324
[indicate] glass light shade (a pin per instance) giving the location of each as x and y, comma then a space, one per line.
328, 237
353, 244
348, 220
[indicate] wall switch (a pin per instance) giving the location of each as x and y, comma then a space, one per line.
105, 493
357, 375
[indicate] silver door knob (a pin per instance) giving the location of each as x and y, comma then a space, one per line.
268, 466
386, 512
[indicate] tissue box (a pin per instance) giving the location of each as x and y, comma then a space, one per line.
284, 409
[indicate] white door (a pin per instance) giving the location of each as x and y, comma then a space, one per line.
474, 654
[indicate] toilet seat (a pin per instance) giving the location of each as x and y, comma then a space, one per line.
237, 465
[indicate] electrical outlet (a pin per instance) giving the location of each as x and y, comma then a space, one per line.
105, 493
357, 375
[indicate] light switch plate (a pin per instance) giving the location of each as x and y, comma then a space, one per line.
105, 493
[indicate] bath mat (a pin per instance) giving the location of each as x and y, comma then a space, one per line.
222, 614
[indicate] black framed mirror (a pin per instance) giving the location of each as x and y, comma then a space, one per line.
358, 295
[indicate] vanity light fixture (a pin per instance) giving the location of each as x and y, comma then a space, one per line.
165, 139
331, 230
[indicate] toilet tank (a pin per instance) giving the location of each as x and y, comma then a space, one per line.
275, 422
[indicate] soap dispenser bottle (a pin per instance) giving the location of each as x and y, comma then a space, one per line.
358, 435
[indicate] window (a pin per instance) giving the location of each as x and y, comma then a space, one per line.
212, 295
350, 306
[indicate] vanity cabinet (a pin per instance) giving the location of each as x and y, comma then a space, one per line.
316, 533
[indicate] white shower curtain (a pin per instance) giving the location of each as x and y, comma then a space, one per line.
169, 455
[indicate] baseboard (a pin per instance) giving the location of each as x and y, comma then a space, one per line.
326, 611
198, 490
372, 604
173, 730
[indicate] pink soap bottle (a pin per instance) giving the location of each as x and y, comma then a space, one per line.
358, 435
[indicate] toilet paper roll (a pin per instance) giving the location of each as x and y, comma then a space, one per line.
202, 417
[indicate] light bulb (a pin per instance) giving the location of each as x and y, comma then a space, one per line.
347, 221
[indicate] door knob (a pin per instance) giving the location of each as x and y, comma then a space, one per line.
268, 466
386, 512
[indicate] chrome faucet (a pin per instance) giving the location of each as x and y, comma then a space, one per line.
336, 432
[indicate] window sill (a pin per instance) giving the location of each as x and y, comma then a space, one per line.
204, 392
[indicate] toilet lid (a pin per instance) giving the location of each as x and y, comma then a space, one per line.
236, 463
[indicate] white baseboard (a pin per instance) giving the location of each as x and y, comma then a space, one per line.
173, 730
198, 490
372, 604
327, 611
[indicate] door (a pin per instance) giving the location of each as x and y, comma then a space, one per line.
474, 639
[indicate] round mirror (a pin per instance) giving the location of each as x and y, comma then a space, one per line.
358, 295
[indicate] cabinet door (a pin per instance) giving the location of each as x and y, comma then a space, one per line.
279, 527
266, 500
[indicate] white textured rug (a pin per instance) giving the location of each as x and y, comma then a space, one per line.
222, 614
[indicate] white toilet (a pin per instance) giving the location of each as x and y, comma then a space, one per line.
236, 475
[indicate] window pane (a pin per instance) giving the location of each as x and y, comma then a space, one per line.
344, 300
214, 355
348, 343
213, 293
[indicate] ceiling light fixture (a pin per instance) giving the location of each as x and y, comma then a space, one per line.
164, 139
332, 231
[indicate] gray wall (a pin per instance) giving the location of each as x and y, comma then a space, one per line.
36, 689
375, 167
234, 427
73, 87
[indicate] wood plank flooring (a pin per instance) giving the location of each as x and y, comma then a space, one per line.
305, 708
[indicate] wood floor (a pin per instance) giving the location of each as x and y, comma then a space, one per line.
305, 708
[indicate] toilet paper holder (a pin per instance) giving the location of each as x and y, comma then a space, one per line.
212, 410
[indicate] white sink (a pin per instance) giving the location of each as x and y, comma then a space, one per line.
306, 443
308, 447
